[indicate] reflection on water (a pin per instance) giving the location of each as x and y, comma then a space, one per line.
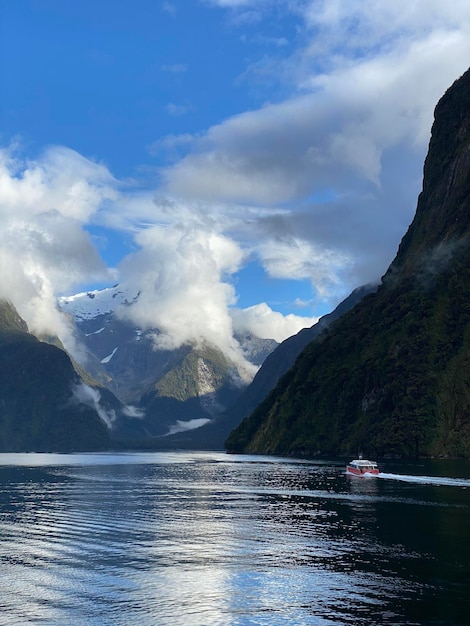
207, 538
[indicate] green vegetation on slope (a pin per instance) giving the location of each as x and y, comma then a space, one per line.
10, 320
389, 378
181, 382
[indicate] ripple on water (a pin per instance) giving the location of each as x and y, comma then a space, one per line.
202, 539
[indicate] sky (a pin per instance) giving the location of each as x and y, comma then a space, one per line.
244, 163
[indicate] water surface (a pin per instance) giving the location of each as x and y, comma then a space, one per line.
208, 538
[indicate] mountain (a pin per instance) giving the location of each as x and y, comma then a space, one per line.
284, 356
392, 376
277, 363
44, 404
169, 390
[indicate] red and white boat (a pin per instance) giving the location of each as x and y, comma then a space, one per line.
362, 467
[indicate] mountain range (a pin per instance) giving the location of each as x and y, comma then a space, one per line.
168, 390
276, 364
386, 373
135, 394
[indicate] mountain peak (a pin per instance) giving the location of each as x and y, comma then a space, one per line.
442, 219
90, 304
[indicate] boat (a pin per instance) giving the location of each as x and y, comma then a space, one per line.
362, 467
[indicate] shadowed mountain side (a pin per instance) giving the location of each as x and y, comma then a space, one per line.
38, 411
392, 376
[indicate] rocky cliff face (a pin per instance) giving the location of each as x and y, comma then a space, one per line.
442, 220
392, 376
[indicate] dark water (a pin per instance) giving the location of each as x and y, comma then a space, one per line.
207, 538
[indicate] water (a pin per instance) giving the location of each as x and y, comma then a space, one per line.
211, 539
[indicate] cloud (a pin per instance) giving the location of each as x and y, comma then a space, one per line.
179, 272
169, 8
133, 412
292, 257
319, 184
263, 322
181, 426
44, 248
60, 179
336, 134
334, 168
176, 110
183, 262
232, 4
370, 24
91, 397
171, 146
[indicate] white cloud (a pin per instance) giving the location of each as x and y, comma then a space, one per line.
44, 248
182, 266
363, 89
61, 180
336, 134
318, 186
177, 110
91, 397
263, 322
232, 4
171, 146
169, 8
376, 24
179, 271
182, 426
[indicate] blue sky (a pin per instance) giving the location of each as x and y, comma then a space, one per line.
108, 78
263, 156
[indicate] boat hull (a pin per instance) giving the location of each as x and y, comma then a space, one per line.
361, 472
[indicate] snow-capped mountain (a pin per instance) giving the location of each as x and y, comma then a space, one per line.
89, 305
173, 389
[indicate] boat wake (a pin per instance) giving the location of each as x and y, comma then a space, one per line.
427, 480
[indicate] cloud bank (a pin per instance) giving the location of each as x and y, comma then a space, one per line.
342, 154
44, 249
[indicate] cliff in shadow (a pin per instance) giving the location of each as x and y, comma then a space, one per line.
39, 407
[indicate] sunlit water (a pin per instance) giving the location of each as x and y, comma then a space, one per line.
208, 538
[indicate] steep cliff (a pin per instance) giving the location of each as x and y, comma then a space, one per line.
392, 376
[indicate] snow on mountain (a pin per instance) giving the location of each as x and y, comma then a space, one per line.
108, 358
255, 349
90, 304
172, 394
125, 354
